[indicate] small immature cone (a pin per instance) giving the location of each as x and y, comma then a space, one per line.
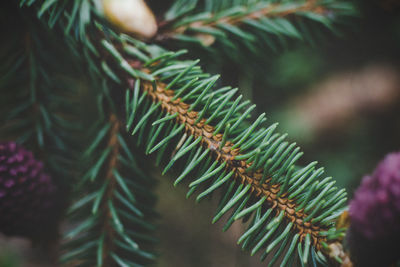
27, 193
374, 234
131, 16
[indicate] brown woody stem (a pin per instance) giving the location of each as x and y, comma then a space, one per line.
113, 144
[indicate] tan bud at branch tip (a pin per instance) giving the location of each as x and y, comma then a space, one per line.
131, 16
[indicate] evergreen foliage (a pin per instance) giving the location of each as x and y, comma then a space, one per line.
188, 115
41, 112
237, 26
162, 100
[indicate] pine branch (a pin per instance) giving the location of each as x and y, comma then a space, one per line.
250, 24
228, 155
38, 102
111, 207
219, 148
109, 221
247, 13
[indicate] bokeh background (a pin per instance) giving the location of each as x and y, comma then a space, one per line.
338, 98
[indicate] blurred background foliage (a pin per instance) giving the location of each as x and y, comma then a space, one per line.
338, 97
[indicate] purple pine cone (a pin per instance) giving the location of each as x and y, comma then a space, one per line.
26, 192
375, 209
375, 216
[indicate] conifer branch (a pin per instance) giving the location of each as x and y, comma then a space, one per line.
38, 105
292, 203
226, 154
111, 208
251, 26
211, 20
109, 221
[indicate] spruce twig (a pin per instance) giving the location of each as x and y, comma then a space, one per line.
227, 155
168, 31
